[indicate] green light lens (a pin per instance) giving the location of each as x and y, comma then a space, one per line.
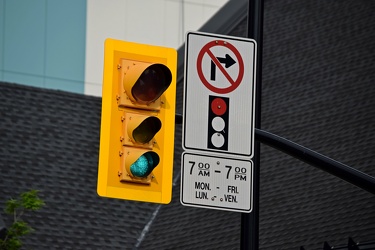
144, 165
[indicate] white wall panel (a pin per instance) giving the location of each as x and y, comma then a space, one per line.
104, 19
194, 18
144, 21
172, 37
157, 22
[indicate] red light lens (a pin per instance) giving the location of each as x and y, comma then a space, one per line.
152, 83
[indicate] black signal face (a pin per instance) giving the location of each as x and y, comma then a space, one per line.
218, 123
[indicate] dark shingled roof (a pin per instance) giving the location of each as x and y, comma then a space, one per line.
318, 90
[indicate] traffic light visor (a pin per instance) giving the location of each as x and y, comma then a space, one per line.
152, 83
146, 130
144, 165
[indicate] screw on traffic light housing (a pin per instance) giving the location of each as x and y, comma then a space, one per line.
137, 129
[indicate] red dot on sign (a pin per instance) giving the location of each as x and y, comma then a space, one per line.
218, 106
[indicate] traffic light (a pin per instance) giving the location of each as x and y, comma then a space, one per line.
137, 126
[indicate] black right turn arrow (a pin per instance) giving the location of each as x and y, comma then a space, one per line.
227, 61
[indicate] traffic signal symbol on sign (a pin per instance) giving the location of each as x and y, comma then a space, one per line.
218, 123
137, 129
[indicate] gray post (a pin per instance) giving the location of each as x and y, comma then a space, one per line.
250, 222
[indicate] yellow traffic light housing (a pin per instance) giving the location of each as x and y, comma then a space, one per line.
137, 126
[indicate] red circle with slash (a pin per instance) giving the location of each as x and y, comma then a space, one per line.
234, 83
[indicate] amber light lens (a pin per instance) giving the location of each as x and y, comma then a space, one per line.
152, 83
147, 130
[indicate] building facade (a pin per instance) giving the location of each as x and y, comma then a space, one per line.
59, 44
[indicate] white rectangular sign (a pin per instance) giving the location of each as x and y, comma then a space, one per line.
219, 94
216, 182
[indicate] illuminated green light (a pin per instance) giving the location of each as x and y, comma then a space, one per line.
144, 165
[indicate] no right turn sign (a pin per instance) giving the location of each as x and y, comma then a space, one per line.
219, 94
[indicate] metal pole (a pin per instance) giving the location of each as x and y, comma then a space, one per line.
315, 159
250, 222
336, 168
